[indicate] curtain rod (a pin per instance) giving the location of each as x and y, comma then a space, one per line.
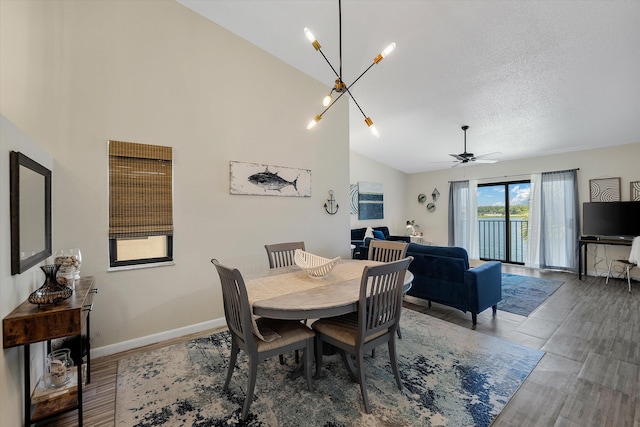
521, 174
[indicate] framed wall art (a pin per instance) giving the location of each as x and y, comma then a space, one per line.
370, 201
604, 190
268, 180
353, 197
635, 191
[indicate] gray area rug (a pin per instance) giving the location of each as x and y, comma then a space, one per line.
452, 376
523, 294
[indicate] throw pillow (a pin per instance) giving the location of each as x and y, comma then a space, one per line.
378, 235
368, 233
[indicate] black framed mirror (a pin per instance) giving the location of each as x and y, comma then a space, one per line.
30, 204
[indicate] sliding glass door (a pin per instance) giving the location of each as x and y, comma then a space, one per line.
503, 219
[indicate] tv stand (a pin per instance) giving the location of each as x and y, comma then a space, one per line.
584, 241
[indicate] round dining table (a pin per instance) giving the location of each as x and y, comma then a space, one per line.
290, 293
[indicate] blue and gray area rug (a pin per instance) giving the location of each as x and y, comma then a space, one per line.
452, 376
523, 294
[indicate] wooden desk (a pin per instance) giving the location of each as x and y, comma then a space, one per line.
582, 250
30, 323
289, 293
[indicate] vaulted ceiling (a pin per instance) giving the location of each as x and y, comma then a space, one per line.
529, 78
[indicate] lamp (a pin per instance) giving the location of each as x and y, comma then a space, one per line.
340, 87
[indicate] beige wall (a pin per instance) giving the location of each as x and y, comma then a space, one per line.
617, 161
15, 289
401, 190
78, 73
394, 186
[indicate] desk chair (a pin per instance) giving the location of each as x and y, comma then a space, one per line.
628, 264
237, 312
283, 255
387, 251
375, 322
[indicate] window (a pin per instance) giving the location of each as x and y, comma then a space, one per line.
140, 204
503, 219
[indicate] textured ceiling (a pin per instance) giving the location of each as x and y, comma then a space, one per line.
530, 78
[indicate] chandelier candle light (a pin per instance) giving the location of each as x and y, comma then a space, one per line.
340, 86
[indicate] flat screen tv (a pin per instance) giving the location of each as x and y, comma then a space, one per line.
614, 219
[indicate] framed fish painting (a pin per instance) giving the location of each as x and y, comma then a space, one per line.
268, 180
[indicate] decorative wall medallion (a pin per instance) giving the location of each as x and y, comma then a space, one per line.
604, 190
421, 198
435, 195
431, 207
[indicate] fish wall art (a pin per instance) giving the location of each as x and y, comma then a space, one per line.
268, 180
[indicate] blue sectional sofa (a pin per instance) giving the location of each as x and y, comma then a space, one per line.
442, 275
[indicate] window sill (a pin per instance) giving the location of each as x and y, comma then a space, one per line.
141, 266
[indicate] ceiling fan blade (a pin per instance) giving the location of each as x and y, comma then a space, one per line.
488, 154
476, 160
457, 156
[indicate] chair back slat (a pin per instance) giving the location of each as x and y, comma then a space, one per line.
282, 254
387, 251
380, 301
237, 311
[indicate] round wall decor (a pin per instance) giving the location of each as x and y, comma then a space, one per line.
421, 198
431, 207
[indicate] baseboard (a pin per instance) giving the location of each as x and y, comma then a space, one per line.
111, 349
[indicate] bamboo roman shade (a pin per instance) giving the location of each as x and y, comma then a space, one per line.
140, 190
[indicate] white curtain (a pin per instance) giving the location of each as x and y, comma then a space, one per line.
559, 220
463, 216
533, 232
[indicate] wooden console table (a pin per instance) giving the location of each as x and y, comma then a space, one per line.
582, 250
30, 323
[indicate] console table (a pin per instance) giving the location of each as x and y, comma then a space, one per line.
583, 243
30, 323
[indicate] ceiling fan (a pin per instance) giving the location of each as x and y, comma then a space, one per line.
466, 157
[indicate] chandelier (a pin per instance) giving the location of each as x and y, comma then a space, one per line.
340, 87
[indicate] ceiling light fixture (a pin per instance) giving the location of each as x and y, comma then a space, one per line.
340, 87
465, 157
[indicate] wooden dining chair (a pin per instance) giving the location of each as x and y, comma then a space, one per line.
387, 251
293, 335
283, 255
375, 322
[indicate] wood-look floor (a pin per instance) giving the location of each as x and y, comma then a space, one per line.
589, 375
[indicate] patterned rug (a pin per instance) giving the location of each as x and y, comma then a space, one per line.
452, 376
523, 294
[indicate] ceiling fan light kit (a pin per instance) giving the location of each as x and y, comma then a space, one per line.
340, 86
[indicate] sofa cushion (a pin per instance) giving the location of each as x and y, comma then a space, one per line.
377, 234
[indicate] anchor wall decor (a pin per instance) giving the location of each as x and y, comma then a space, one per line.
329, 206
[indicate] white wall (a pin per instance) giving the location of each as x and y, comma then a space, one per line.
364, 169
76, 74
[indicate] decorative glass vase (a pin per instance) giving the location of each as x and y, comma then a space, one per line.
59, 365
69, 261
51, 291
